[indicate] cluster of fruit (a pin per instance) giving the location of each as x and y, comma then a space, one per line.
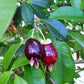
43, 50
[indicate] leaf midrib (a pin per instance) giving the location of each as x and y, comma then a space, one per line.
44, 2
54, 28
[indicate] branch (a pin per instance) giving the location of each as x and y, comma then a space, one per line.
75, 30
79, 61
80, 70
50, 79
35, 18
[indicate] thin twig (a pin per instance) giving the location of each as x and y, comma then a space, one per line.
80, 70
50, 79
79, 61
35, 26
75, 30
35, 18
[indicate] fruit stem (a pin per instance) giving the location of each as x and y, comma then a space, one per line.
35, 27
41, 33
32, 33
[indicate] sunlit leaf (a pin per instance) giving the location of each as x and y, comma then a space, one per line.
33, 75
77, 38
65, 66
19, 80
9, 55
20, 61
68, 13
56, 28
5, 76
7, 10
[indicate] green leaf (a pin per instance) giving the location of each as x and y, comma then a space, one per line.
5, 76
4, 50
56, 28
9, 55
26, 29
7, 10
20, 50
68, 13
36, 35
74, 44
19, 80
79, 4
51, 37
77, 75
77, 38
17, 17
65, 66
48, 81
27, 13
11, 63
33, 75
59, 0
38, 11
82, 53
29, 34
20, 61
42, 3
10, 81
0, 68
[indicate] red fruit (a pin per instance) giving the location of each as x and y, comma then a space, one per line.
33, 51
49, 56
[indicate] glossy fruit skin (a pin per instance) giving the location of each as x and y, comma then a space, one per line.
50, 54
33, 48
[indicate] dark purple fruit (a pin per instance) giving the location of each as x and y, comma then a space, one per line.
33, 51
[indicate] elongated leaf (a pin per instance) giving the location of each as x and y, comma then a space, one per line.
19, 80
29, 34
11, 63
26, 29
17, 17
77, 38
38, 11
5, 76
7, 9
75, 45
56, 28
33, 75
20, 50
37, 34
68, 13
82, 53
79, 4
10, 81
27, 13
59, 0
22, 60
65, 66
9, 55
42, 3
